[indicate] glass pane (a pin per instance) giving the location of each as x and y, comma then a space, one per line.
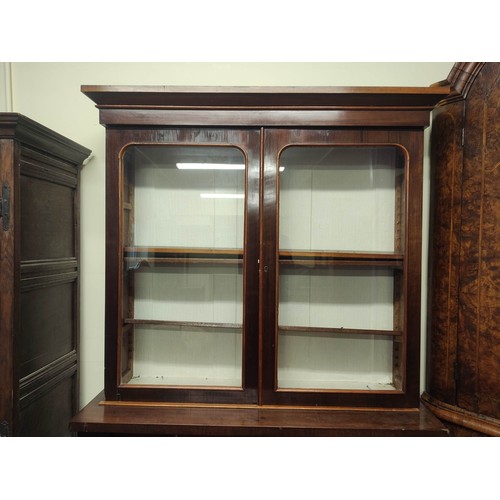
334, 361
183, 233
338, 298
341, 241
341, 198
187, 356
336, 328
187, 196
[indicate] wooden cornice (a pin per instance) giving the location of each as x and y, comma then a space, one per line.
265, 106
460, 80
34, 135
296, 98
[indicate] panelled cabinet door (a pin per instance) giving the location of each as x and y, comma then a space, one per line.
188, 250
335, 254
39, 278
280, 283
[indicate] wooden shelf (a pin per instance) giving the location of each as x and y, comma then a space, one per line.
174, 255
184, 324
313, 258
167, 255
343, 331
284, 328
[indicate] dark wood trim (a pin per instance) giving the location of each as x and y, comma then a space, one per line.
410, 349
169, 255
183, 324
342, 331
34, 283
33, 134
175, 251
34, 268
29, 155
332, 255
141, 264
460, 80
36, 384
459, 416
340, 259
113, 318
340, 263
265, 106
76, 293
45, 170
261, 97
8, 289
273, 118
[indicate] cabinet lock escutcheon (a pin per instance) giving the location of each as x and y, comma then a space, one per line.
5, 207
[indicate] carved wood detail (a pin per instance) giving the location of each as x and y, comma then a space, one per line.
460, 80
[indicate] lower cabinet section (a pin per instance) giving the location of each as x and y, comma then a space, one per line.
114, 418
48, 410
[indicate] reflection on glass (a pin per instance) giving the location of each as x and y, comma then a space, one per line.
183, 232
340, 198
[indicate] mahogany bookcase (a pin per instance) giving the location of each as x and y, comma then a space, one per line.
263, 254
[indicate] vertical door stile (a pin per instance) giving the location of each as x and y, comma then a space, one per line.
268, 266
9, 269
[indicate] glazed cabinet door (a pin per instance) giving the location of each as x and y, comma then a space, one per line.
186, 263
340, 325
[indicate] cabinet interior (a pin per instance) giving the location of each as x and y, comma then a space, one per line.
340, 258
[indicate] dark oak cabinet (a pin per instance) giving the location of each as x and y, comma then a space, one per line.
263, 250
39, 235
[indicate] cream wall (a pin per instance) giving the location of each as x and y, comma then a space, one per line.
5, 87
50, 93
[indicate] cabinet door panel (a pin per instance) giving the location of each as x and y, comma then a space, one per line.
47, 230
47, 326
335, 250
188, 313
